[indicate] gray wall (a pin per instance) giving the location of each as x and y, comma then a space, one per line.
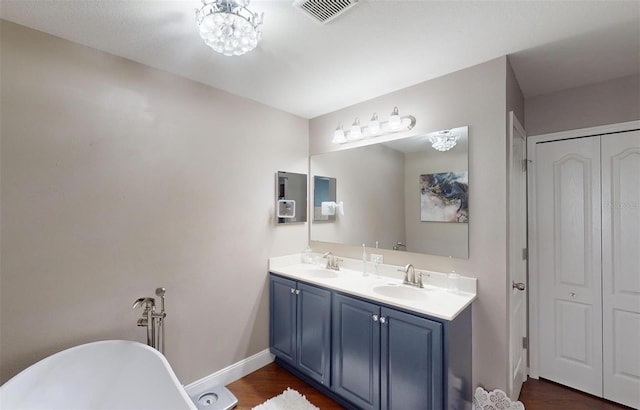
604, 103
118, 178
475, 97
515, 101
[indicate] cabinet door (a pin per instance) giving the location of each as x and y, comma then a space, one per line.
356, 351
314, 332
411, 362
282, 318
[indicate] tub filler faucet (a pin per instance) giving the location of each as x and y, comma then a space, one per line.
152, 320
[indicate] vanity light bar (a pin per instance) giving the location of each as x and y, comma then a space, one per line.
375, 128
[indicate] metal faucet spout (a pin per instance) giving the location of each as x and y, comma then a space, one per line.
144, 302
333, 262
410, 274
411, 277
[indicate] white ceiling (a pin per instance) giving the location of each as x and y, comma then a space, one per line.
377, 47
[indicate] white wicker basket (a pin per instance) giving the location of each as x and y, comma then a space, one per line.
494, 400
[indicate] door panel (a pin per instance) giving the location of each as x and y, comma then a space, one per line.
314, 332
356, 351
567, 195
411, 363
621, 266
574, 332
572, 208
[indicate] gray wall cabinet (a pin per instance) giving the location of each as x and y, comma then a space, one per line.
300, 326
382, 358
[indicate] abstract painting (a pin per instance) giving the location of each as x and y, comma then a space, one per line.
444, 197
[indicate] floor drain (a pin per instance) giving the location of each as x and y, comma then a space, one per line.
208, 399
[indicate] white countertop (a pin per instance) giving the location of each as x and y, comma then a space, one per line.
434, 300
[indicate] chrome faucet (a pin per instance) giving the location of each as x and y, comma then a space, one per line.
411, 277
398, 245
333, 262
152, 320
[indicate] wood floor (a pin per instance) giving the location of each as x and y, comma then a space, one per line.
272, 380
542, 395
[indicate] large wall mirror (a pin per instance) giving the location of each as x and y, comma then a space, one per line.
409, 194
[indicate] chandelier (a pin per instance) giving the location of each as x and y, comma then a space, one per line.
443, 140
228, 26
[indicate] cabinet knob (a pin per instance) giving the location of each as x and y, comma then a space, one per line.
293, 290
375, 318
297, 291
383, 320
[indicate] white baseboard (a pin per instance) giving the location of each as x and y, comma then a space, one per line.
234, 372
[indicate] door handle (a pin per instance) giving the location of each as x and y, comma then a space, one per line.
519, 286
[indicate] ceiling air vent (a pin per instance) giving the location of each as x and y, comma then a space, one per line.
324, 11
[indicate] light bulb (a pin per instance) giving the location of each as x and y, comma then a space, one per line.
374, 125
338, 136
394, 120
356, 131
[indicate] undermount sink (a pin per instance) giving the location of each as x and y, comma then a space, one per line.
320, 273
400, 292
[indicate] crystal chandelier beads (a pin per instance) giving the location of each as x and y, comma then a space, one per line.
228, 26
443, 141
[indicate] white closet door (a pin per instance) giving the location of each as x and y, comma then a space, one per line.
569, 262
621, 266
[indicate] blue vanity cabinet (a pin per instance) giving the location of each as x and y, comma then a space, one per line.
384, 358
282, 318
356, 351
300, 327
370, 355
314, 332
411, 368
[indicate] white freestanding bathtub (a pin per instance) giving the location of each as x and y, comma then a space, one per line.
113, 374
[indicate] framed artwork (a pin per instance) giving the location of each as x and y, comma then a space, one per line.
444, 197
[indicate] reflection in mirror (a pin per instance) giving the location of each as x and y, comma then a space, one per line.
409, 194
324, 191
291, 197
